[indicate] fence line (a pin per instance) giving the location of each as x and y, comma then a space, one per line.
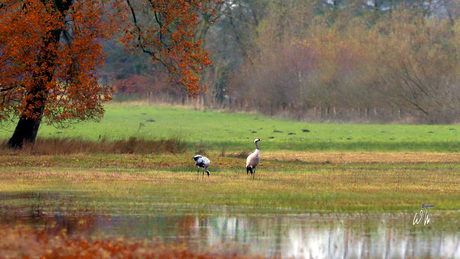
291, 111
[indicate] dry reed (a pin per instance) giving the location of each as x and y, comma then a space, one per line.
133, 145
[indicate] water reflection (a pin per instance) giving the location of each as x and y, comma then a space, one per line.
298, 236
267, 232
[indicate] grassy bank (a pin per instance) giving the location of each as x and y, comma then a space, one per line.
233, 132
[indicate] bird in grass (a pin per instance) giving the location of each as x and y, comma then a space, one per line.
253, 160
201, 161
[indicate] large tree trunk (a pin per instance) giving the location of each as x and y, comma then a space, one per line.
27, 129
29, 121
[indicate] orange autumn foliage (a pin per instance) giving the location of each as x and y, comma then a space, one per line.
50, 53
53, 54
171, 40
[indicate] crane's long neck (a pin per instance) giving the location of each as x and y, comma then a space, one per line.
257, 146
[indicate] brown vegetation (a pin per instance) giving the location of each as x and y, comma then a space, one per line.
365, 158
23, 242
63, 146
376, 61
405, 63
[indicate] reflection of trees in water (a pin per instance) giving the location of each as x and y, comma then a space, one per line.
307, 237
327, 235
52, 211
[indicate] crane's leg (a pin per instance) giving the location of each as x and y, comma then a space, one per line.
249, 170
253, 173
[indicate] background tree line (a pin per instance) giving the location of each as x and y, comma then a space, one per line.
381, 60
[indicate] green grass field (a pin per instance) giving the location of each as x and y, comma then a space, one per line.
234, 132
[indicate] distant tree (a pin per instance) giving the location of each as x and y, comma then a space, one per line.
134, 74
50, 53
229, 41
166, 31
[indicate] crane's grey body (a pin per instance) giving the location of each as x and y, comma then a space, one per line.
204, 162
253, 160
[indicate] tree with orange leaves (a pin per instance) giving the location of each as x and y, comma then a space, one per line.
165, 30
50, 52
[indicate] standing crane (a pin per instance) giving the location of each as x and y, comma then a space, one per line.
253, 160
201, 161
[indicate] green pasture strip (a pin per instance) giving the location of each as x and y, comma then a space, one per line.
219, 131
129, 183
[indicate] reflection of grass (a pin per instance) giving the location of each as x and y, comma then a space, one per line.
333, 183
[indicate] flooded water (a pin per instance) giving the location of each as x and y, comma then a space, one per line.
311, 235
268, 232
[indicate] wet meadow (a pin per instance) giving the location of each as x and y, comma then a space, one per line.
127, 187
